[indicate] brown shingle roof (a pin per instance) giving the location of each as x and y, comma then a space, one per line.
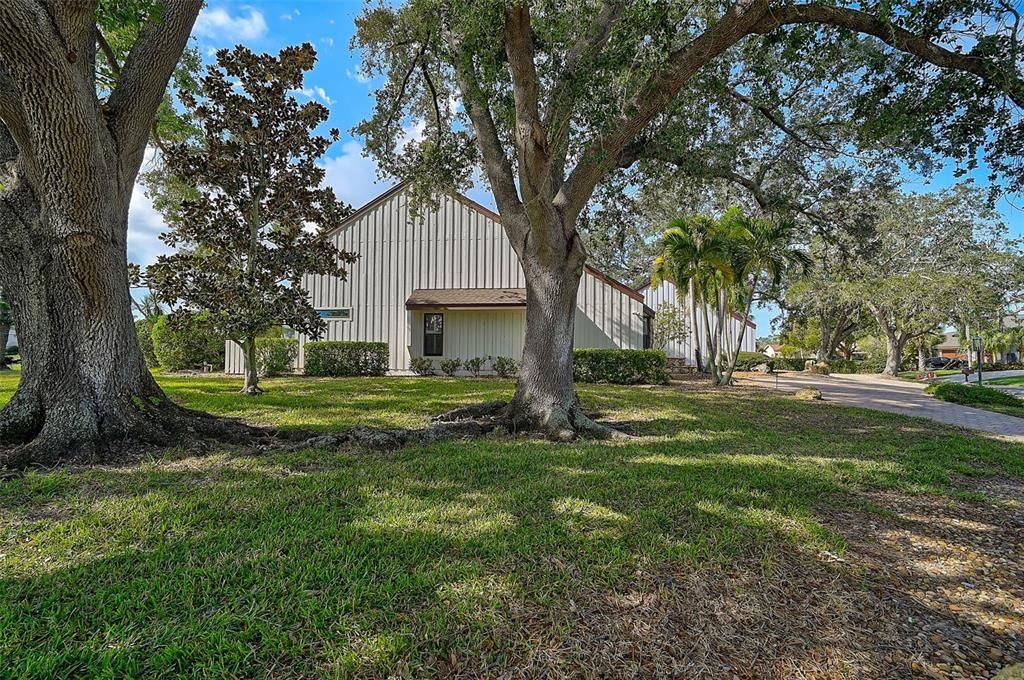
466, 297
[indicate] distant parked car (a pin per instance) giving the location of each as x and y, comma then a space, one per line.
937, 363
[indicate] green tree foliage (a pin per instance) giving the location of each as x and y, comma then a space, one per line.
187, 343
669, 325
259, 218
556, 97
724, 265
931, 257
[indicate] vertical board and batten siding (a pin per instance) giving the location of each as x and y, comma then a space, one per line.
451, 246
665, 293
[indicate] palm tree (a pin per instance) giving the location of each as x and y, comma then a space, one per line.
763, 251
695, 258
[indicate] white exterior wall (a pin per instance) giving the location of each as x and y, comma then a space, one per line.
665, 293
452, 246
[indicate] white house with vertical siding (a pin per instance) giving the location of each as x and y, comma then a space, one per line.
446, 283
666, 293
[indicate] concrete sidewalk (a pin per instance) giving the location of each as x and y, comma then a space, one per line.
895, 396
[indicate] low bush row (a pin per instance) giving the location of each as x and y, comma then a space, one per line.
503, 367
336, 359
751, 361
181, 345
620, 366
972, 395
275, 356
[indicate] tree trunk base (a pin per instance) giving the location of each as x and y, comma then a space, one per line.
251, 390
70, 439
556, 423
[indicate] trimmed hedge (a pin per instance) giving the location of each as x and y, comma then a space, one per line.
275, 356
789, 363
620, 366
844, 365
338, 359
748, 361
972, 395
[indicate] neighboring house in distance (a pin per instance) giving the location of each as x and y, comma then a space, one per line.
950, 347
665, 293
447, 284
773, 350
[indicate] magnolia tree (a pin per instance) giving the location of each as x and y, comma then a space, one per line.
76, 112
548, 99
258, 219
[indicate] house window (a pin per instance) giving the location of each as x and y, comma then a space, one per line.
342, 314
648, 332
433, 335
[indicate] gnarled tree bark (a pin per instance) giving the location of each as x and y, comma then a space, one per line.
69, 164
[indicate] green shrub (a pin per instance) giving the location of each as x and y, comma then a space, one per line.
620, 366
844, 366
450, 366
335, 358
422, 365
275, 355
972, 395
474, 366
186, 342
144, 334
748, 361
872, 365
789, 363
12, 350
505, 367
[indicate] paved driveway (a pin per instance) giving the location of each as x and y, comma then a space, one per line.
897, 396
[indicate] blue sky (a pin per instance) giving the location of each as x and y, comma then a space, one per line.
269, 25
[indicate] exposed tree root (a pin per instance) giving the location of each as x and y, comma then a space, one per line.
466, 422
70, 438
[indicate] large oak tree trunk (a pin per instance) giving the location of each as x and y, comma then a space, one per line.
545, 396
894, 345
85, 391
545, 399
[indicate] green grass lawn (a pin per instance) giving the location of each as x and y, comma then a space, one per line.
458, 555
912, 375
1014, 380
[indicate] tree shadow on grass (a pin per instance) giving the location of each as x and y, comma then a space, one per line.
443, 555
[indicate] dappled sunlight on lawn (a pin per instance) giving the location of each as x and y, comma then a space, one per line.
359, 563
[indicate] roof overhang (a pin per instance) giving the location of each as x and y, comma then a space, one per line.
467, 298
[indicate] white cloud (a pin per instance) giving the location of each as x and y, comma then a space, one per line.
145, 225
286, 17
315, 92
218, 24
327, 41
355, 177
357, 76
